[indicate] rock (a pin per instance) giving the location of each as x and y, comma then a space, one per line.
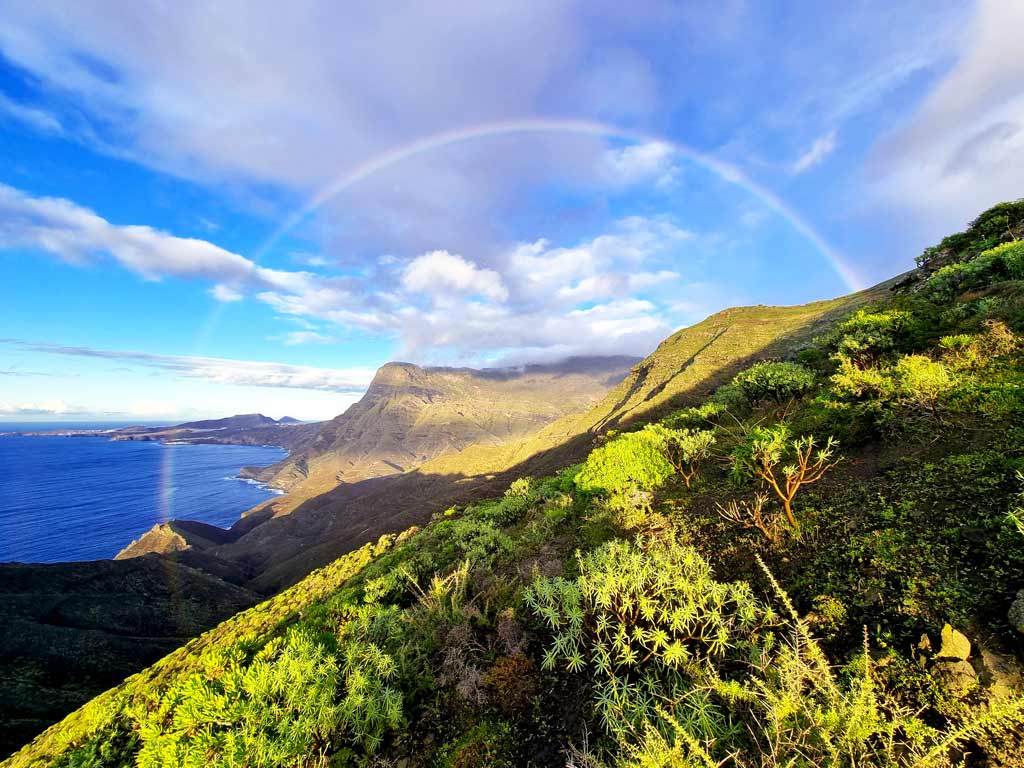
956, 677
1016, 614
1000, 674
955, 645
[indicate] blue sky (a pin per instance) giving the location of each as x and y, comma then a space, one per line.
210, 208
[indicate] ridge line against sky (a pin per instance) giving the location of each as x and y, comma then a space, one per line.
148, 197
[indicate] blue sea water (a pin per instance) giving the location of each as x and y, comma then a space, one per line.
86, 498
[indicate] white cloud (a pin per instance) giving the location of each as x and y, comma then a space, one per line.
538, 296
36, 118
296, 100
295, 338
440, 272
223, 370
78, 235
45, 408
225, 293
822, 147
963, 148
652, 161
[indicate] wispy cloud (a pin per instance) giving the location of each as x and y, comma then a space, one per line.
652, 161
963, 148
33, 117
821, 148
43, 408
296, 338
223, 370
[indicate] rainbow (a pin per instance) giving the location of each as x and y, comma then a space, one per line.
720, 168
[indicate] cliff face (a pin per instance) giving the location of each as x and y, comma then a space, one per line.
408, 416
411, 414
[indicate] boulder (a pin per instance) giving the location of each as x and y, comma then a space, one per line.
955, 676
1016, 614
955, 645
1000, 674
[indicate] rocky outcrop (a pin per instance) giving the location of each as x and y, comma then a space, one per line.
951, 668
412, 414
1016, 613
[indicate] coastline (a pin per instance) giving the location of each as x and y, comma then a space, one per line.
87, 521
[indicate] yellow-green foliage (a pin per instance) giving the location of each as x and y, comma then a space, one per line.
696, 416
782, 462
627, 469
278, 709
251, 629
685, 448
913, 382
640, 617
1012, 257
774, 381
865, 337
1003, 262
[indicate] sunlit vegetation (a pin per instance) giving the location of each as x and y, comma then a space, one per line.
760, 578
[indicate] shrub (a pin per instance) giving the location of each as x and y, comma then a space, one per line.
997, 224
627, 469
473, 537
1012, 257
280, 709
752, 513
685, 448
785, 464
641, 617
780, 382
865, 337
914, 382
696, 417
922, 381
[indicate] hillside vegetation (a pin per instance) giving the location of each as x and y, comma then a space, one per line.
801, 549
280, 542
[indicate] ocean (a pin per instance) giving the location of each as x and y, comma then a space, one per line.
86, 498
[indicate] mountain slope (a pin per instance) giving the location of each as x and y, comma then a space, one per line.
411, 414
546, 626
408, 415
281, 541
69, 630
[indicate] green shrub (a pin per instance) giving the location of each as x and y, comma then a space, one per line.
775, 381
954, 279
997, 224
921, 381
626, 470
474, 536
686, 448
913, 383
865, 337
640, 617
1012, 256
784, 463
695, 417
278, 710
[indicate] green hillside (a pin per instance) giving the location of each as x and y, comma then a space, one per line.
790, 537
683, 370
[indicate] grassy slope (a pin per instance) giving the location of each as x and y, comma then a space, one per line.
684, 368
909, 533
